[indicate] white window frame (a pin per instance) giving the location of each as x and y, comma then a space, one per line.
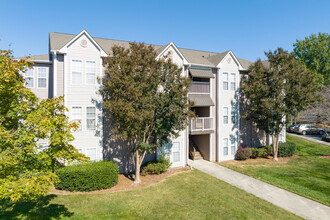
81, 118
43, 146
233, 115
179, 151
93, 148
225, 115
232, 145
225, 80
95, 76
90, 118
225, 147
82, 68
38, 77
233, 82
33, 77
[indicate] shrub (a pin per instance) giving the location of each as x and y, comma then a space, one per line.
88, 177
156, 166
243, 153
286, 149
269, 150
262, 152
258, 152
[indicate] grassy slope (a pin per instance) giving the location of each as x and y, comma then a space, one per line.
192, 195
308, 175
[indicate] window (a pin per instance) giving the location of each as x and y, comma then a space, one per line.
80, 150
90, 118
90, 72
42, 77
233, 145
232, 81
29, 78
225, 115
76, 116
225, 81
281, 138
225, 146
233, 115
91, 153
176, 151
76, 69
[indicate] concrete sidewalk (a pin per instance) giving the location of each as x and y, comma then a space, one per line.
294, 203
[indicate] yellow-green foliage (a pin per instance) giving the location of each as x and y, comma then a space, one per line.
25, 168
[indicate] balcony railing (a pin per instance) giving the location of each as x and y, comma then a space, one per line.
201, 124
200, 87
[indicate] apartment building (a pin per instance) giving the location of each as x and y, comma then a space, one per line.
74, 63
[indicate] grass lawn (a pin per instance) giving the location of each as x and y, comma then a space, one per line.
307, 175
189, 195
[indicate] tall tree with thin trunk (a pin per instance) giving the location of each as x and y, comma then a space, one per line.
146, 98
275, 89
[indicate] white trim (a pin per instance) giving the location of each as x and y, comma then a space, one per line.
218, 114
33, 77
65, 80
64, 49
54, 74
224, 115
82, 116
101, 109
82, 72
85, 72
230, 53
95, 117
47, 77
171, 44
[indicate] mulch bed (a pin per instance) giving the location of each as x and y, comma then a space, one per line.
327, 156
126, 182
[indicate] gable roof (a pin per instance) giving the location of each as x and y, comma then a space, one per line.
197, 57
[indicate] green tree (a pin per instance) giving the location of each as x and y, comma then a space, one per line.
146, 98
26, 168
314, 53
277, 90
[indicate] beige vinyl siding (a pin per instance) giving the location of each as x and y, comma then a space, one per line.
84, 95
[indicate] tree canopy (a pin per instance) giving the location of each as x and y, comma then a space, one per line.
314, 53
146, 98
26, 168
275, 90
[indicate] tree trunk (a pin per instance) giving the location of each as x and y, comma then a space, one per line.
275, 146
137, 167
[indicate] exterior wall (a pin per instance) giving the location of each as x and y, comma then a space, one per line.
84, 95
43, 93
228, 98
182, 139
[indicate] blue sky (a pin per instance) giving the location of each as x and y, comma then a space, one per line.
247, 27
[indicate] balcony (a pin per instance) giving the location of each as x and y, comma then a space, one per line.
200, 87
201, 125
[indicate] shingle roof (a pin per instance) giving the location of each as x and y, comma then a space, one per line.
43, 57
58, 40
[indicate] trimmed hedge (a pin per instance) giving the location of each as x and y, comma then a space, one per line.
286, 149
88, 177
258, 152
156, 166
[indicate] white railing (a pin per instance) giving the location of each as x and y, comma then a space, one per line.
200, 87
202, 124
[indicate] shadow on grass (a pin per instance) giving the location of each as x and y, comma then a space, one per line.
39, 209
